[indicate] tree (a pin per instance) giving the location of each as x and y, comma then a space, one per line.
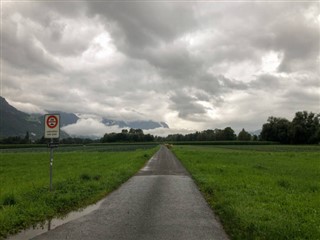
244, 136
277, 129
305, 128
133, 135
228, 134
27, 137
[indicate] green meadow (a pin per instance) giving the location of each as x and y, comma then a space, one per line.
80, 178
259, 192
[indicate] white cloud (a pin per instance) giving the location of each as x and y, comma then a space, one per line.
195, 66
89, 127
27, 107
271, 61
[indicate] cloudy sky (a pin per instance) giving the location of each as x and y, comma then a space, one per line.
194, 65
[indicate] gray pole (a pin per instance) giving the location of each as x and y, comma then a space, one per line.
51, 162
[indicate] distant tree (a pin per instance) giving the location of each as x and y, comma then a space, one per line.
139, 131
42, 140
228, 134
135, 131
244, 136
133, 135
218, 134
305, 128
277, 129
148, 138
208, 135
12, 140
27, 137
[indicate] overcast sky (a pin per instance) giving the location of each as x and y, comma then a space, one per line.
193, 65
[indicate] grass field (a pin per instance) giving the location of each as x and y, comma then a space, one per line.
103, 147
80, 178
259, 192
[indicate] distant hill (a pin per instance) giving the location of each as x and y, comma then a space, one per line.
16, 123
66, 118
144, 125
257, 132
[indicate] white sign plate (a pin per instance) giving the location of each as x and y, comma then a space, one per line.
51, 126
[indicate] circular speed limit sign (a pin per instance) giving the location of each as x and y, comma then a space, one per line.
52, 121
51, 126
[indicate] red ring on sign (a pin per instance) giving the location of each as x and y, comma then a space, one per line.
52, 121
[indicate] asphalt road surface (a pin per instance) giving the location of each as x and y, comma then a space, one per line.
160, 202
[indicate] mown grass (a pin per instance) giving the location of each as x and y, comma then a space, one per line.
94, 147
79, 179
271, 193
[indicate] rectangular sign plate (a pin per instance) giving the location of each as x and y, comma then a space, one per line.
52, 126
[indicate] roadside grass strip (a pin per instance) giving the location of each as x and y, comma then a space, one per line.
271, 194
79, 179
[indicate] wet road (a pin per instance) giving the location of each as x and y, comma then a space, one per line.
160, 202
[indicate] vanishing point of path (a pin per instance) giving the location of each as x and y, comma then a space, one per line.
161, 202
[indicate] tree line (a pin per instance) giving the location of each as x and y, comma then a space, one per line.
303, 129
137, 135
226, 134
42, 140
132, 135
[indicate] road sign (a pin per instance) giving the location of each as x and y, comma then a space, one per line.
52, 126
51, 130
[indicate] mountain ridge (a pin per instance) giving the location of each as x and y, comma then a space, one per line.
17, 123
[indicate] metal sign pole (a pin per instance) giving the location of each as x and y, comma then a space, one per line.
51, 162
51, 131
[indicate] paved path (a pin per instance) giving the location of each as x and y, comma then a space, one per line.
160, 202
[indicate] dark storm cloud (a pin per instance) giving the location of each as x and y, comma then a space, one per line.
185, 105
23, 51
145, 24
293, 33
173, 61
187, 63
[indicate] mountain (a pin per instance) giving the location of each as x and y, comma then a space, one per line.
16, 123
144, 125
256, 132
66, 118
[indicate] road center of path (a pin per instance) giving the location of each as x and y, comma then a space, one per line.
160, 202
